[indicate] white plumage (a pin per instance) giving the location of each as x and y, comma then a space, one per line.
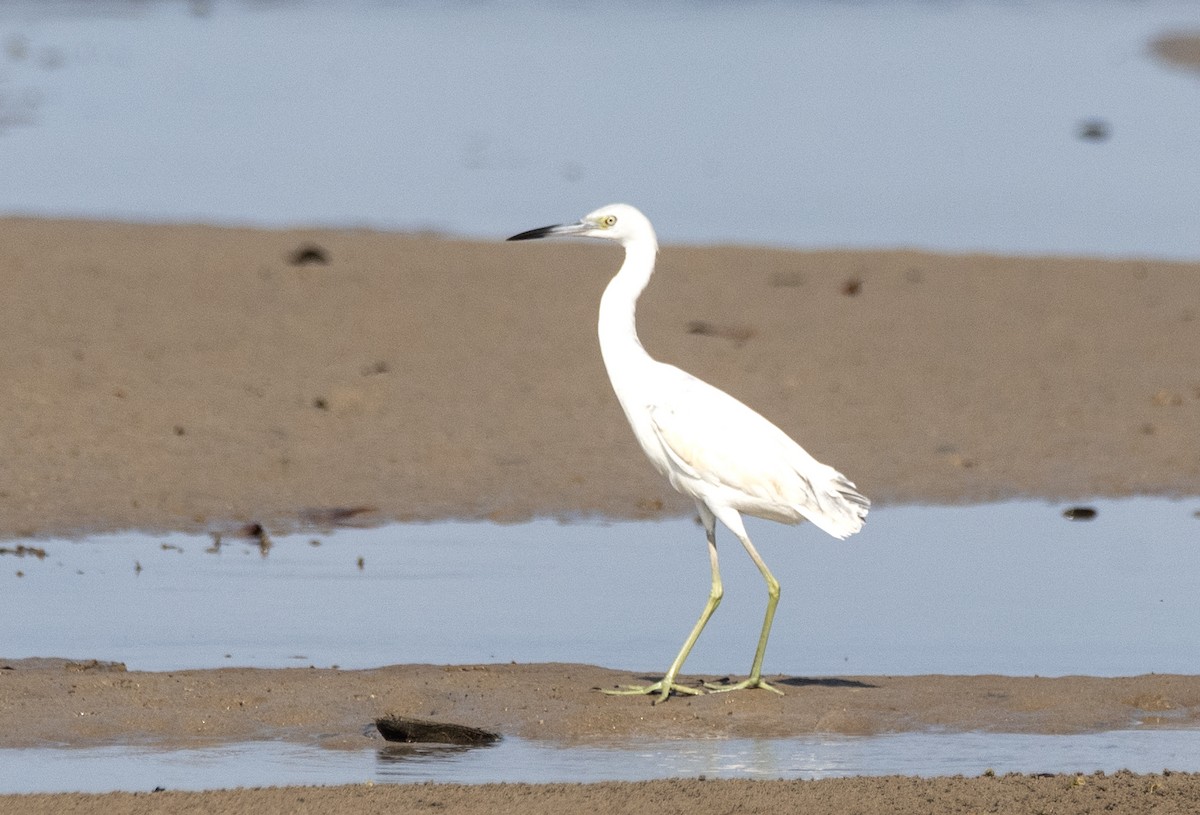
711, 447
719, 451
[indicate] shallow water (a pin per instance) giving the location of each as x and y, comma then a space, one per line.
514, 760
952, 126
1009, 588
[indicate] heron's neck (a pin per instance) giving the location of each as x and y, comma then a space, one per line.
619, 344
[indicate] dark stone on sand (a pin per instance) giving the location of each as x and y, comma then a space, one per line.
424, 731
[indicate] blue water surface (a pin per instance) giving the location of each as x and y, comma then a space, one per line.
1007, 588
955, 126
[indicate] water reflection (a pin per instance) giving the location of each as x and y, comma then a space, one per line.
815, 756
423, 753
512, 760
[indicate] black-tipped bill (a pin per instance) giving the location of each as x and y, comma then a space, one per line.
533, 234
550, 231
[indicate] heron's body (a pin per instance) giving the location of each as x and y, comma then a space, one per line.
711, 447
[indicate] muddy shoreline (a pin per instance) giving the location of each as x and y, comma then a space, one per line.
552, 702
192, 378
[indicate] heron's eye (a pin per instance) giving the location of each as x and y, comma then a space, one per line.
608, 221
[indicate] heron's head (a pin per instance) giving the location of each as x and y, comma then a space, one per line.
615, 222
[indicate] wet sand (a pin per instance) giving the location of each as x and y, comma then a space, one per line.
189, 377
197, 378
556, 702
1172, 794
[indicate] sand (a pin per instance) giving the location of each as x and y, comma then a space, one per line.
201, 378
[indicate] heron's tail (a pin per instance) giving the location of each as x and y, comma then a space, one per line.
843, 509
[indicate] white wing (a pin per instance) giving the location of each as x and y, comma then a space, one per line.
723, 451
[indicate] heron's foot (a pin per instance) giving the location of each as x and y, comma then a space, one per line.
663, 687
753, 682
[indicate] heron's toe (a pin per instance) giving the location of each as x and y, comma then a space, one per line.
662, 687
758, 682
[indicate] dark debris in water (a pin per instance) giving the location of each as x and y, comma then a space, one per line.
21, 550
425, 731
1079, 513
258, 533
1094, 130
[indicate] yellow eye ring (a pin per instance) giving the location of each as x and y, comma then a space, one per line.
608, 221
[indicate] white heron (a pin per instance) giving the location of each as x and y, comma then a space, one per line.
711, 447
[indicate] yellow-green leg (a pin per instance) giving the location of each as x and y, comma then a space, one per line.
755, 680
667, 685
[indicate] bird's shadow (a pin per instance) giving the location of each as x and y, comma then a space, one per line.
791, 681
822, 682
